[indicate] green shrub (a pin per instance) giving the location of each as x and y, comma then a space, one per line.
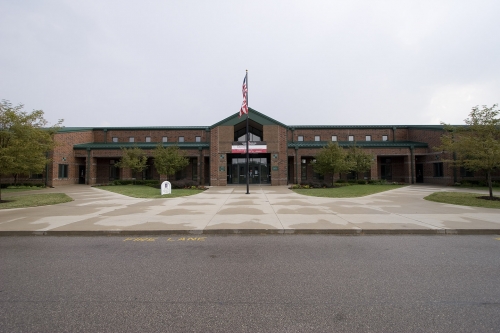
341, 181
183, 183
378, 182
362, 182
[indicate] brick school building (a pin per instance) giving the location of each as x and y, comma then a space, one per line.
280, 154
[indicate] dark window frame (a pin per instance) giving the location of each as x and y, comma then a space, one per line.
62, 172
464, 173
438, 169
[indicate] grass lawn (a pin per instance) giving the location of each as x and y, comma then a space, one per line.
480, 188
463, 199
142, 191
352, 191
14, 189
33, 200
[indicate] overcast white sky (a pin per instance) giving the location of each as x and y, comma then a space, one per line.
169, 63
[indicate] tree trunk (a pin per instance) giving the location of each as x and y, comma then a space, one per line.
490, 184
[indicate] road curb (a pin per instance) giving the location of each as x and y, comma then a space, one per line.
346, 232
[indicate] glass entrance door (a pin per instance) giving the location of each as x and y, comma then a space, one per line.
265, 175
258, 170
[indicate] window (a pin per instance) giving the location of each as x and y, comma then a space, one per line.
385, 169
300, 138
351, 137
181, 139
148, 139
384, 137
181, 174
63, 171
197, 138
254, 134
334, 138
303, 170
114, 172
466, 173
368, 138
115, 139
194, 169
317, 138
147, 173
164, 139
131, 139
36, 176
438, 169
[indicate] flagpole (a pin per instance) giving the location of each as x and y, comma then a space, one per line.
248, 154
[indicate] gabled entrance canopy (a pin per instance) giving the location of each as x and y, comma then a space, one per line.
255, 116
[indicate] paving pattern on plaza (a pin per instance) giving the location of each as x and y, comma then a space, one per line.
265, 208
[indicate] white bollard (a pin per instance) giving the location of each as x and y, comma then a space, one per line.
166, 188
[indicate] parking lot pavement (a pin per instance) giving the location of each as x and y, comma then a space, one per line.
267, 209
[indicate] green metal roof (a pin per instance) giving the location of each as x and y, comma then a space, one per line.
254, 115
146, 128
73, 129
363, 144
432, 127
142, 145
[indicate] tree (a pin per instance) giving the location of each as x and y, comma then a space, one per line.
169, 160
134, 159
477, 145
24, 140
331, 159
359, 160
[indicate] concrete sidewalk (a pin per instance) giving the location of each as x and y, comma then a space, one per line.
229, 210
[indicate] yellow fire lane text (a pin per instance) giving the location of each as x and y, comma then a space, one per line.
186, 239
140, 239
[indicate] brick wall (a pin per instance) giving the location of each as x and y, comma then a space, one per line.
63, 154
213, 163
275, 138
155, 135
343, 134
431, 136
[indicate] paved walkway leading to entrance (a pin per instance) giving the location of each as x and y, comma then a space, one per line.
267, 209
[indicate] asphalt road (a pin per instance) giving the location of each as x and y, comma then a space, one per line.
308, 283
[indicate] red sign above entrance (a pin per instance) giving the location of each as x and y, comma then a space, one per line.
254, 147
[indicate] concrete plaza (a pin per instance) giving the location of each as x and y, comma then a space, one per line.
267, 209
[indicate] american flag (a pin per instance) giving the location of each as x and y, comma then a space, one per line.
244, 105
